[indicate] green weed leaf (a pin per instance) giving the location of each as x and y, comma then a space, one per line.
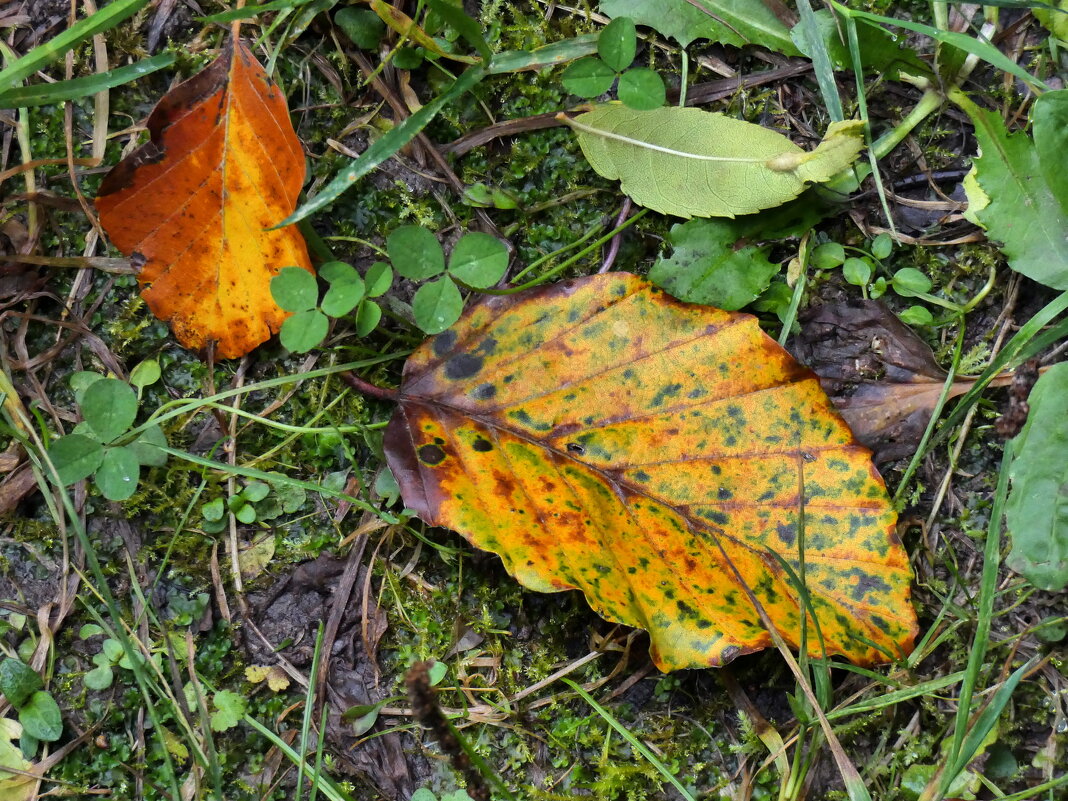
437, 305
109, 408
229, 709
693, 163
213, 510
737, 22
478, 260
910, 282
295, 289
916, 316
99, 678
256, 491
642, 89
588, 77
145, 374
118, 473
828, 256
75, 457
81, 381
706, 268
346, 288
856, 271
147, 447
40, 717
378, 280
367, 317
1018, 188
618, 43
415, 252
304, 330
362, 26
882, 246
1036, 512
18, 681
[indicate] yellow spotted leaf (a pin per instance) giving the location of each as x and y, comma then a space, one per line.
192, 204
669, 460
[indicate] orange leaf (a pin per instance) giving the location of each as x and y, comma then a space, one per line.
667, 459
222, 165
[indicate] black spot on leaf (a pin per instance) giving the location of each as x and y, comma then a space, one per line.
431, 455
462, 365
482, 445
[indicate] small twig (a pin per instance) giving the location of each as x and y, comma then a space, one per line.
613, 247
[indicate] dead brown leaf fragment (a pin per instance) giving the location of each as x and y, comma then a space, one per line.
223, 165
882, 378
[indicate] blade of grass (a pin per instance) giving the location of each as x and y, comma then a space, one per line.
821, 60
77, 88
385, 146
309, 708
635, 743
103, 20
250, 11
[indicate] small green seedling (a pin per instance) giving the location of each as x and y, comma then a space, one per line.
101, 446
639, 88
257, 501
482, 196
423, 794
38, 711
297, 291
478, 261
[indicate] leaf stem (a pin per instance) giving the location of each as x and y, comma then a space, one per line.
369, 389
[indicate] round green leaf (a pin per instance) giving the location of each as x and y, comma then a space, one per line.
618, 43
75, 456
378, 280
346, 288
256, 491
213, 510
407, 58
437, 673
588, 77
878, 288
478, 260
642, 89
362, 26
40, 717
81, 381
828, 256
147, 447
99, 678
117, 477
145, 374
916, 315
18, 681
910, 282
295, 289
437, 305
856, 271
304, 330
245, 513
109, 408
367, 318
415, 252
882, 246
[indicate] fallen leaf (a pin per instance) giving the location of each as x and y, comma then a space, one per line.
14, 786
599, 435
1036, 512
693, 163
882, 378
222, 165
276, 678
254, 557
733, 22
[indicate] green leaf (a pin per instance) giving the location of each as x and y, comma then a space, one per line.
367, 317
1036, 513
694, 163
362, 718
478, 260
304, 330
856, 271
407, 58
362, 26
737, 22
109, 408
40, 717
706, 268
1055, 20
81, 381
549, 55
40, 94
378, 280
213, 510
256, 491
118, 473
147, 447
89, 630
642, 89
588, 77
437, 305
18, 681
244, 511
1018, 189
916, 316
910, 282
437, 673
828, 256
75, 457
881, 51
229, 709
415, 252
99, 678
145, 374
295, 289
346, 288
882, 246
618, 43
